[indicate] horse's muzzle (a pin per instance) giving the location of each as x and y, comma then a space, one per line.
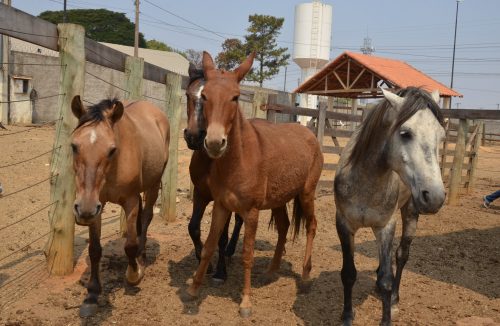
194, 141
86, 215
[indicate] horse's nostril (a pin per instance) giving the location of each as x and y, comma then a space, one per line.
98, 208
425, 195
77, 209
223, 142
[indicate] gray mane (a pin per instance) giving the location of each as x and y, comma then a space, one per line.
375, 129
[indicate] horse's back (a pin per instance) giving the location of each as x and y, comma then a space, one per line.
152, 134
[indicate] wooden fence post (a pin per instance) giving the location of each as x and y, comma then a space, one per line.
134, 70
321, 125
354, 112
458, 159
271, 114
445, 149
259, 98
59, 248
474, 153
169, 178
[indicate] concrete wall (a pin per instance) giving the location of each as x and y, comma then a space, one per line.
44, 73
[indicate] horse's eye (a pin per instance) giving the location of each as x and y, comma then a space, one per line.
74, 148
405, 135
235, 98
111, 152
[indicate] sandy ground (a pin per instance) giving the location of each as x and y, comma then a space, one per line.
452, 277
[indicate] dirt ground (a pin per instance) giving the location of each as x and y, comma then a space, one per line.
452, 277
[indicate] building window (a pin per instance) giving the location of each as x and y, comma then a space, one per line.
21, 85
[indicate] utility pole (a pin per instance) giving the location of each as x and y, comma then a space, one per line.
498, 106
136, 38
65, 17
454, 45
4, 59
284, 83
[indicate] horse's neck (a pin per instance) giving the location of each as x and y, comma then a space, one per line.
237, 136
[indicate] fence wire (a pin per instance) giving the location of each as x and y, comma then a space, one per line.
28, 129
26, 217
30, 159
28, 187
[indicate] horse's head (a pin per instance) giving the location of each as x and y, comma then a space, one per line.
220, 96
412, 151
94, 149
196, 129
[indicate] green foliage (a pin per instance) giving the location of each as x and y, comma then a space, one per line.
261, 38
100, 25
158, 45
233, 52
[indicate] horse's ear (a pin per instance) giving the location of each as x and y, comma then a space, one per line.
208, 63
192, 70
77, 107
435, 96
395, 100
245, 66
116, 112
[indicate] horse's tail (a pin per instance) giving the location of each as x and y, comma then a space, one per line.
297, 217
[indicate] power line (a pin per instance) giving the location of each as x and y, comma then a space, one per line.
183, 19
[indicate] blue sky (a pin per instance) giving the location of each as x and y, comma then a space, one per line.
419, 32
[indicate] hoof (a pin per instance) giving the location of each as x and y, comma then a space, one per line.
347, 319
245, 312
394, 311
216, 281
88, 310
134, 277
187, 297
305, 286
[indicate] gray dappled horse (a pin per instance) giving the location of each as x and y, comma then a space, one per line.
390, 162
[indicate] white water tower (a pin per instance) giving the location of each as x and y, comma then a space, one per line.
312, 38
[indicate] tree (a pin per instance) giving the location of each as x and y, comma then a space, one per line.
263, 32
100, 25
233, 52
158, 45
195, 57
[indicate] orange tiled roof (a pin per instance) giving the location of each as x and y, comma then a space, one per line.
398, 73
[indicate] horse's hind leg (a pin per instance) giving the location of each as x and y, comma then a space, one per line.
385, 279
89, 306
410, 217
348, 273
231, 247
151, 195
135, 271
282, 225
307, 205
199, 205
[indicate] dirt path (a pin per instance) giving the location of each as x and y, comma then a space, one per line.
453, 273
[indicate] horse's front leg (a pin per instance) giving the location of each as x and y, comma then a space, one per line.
410, 218
220, 275
348, 272
135, 269
231, 247
385, 278
251, 221
219, 217
89, 306
199, 205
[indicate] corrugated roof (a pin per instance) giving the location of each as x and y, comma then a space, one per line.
396, 72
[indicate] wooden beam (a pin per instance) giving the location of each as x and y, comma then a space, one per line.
357, 77
340, 81
348, 72
23, 26
59, 248
471, 114
474, 156
169, 178
456, 173
321, 124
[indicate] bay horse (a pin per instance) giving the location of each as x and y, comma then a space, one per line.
199, 169
390, 162
119, 150
256, 165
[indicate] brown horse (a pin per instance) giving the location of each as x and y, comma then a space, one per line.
255, 166
117, 154
199, 170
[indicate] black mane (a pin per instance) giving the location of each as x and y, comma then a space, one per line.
95, 113
195, 74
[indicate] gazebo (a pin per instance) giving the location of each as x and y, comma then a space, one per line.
355, 75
